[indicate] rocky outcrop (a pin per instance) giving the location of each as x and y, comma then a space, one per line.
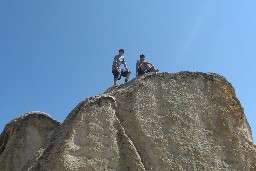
91, 138
186, 121
158, 122
22, 137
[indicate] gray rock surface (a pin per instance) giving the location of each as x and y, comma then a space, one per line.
181, 121
91, 138
186, 121
22, 137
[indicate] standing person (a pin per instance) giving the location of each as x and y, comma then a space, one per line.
143, 66
117, 71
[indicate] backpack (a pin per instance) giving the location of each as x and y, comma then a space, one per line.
137, 66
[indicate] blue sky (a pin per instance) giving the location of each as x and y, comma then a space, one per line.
54, 54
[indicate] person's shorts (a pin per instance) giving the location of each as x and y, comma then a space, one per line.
118, 75
141, 72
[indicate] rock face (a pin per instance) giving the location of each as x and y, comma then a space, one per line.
182, 121
91, 138
22, 137
185, 121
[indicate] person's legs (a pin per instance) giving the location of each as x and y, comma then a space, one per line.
126, 74
140, 71
151, 68
116, 76
145, 66
115, 80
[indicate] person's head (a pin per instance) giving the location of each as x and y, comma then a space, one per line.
142, 57
121, 51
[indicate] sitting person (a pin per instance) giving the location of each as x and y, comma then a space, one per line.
143, 66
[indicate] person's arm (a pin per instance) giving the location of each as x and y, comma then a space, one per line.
116, 66
126, 67
150, 64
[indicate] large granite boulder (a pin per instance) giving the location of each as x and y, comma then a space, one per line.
156, 122
22, 137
